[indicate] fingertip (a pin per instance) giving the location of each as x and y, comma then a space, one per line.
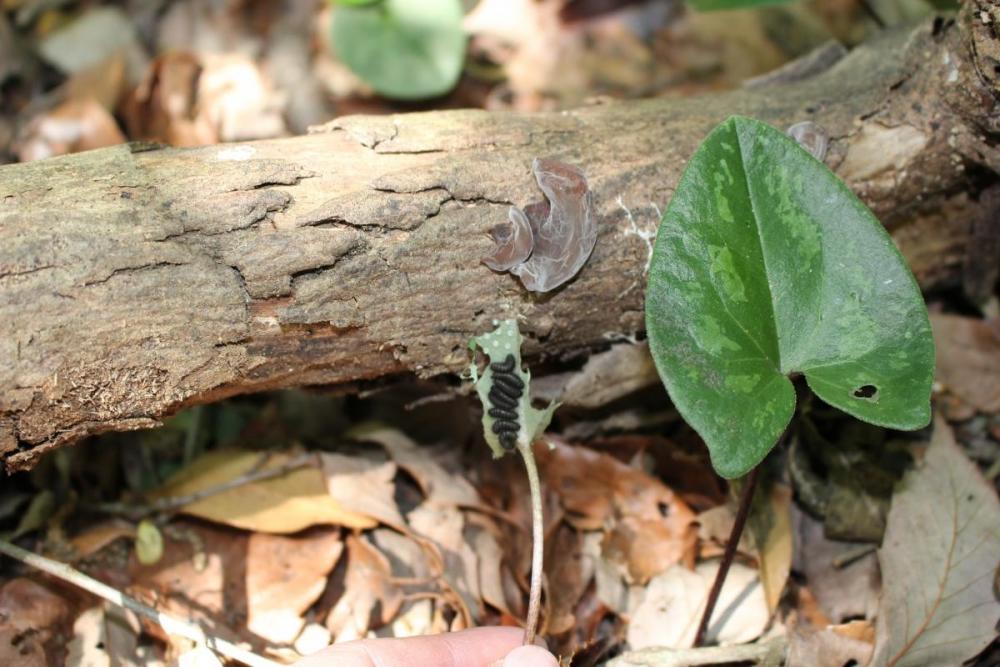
530, 656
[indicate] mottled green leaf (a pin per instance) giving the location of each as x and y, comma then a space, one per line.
765, 265
404, 49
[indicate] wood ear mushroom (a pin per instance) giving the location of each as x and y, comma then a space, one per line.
547, 244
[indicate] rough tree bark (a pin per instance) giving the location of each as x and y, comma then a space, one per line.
137, 280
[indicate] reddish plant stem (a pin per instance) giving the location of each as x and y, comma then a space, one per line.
746, 500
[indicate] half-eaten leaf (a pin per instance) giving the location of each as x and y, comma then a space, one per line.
766, 265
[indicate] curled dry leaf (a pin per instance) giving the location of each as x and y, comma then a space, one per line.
285, 504
285, 576
434, 480
163, 107
647, 527
96, 537
938, 558
363, 486
570, 571
76, 125
771, 531
444, 525
546, 245
367, 586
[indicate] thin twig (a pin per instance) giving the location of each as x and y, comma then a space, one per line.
255, 474
852, 554
765, 654
537, 544
169, 624
746, 498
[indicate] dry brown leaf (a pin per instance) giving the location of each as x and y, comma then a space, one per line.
827, 648
407, 557
78, 124
435, 481
27, 606
363, 486
648, 528
968, 359
367, 586
771, 530
938, 559
846, 592
569, 571
105, 82
163, 106
444, 525
285, 575
201, 576
238, 100
669, 612
607, 376
95, 538
285, 504
490, 554
88, 648
18, 649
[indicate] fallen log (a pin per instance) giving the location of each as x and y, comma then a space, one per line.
137, 280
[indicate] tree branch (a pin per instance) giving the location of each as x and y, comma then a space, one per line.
135, 282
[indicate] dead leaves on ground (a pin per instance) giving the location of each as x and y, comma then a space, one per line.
944, 527
387, 537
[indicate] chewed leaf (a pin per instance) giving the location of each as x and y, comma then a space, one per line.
545, 246
503, 349
766, 265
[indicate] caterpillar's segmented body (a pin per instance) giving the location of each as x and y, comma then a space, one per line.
505, 396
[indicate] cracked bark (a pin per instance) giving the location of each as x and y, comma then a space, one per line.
134, 282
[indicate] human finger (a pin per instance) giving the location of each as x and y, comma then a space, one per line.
478, 647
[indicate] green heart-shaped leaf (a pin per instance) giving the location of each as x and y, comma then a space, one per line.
766, 264
404, 49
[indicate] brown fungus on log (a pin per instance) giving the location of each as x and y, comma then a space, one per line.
547, 244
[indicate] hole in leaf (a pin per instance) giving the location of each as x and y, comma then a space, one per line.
851, 663
868, 391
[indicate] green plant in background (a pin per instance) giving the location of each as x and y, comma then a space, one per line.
765, 266
404, 49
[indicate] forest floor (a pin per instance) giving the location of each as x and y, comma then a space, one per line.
286, 521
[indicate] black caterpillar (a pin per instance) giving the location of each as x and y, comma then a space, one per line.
505, 395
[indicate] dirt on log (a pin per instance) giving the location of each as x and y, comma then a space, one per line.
138, 280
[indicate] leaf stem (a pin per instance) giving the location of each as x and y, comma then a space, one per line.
537, 544
746, 500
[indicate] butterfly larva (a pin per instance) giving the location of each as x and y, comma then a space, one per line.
505, 396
